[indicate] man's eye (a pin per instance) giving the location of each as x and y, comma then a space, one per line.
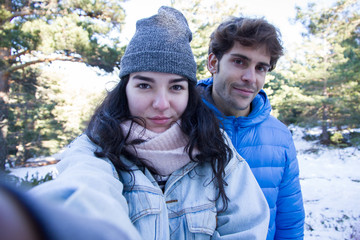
238, 61
263, 68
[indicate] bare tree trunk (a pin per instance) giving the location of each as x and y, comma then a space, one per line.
3, 151
325, 138
4, 90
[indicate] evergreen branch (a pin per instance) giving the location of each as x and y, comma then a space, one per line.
13, 57
44, 60
23, 13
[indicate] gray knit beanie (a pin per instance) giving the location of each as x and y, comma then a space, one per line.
161, 44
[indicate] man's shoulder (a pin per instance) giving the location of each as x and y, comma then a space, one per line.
204, 87
275, 122
205, 82
275, 126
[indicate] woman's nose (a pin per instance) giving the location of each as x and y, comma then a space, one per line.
161, 102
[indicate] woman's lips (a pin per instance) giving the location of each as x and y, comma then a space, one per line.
160, 120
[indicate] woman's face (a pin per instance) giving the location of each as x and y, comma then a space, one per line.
159, 98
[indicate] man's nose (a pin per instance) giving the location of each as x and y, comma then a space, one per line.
249, 75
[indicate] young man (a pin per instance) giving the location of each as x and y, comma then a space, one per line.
241, 52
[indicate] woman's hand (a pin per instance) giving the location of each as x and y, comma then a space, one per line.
15, 223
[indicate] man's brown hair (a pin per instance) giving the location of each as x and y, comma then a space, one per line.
249, 33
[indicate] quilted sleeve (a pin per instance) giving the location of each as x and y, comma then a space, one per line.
290, 209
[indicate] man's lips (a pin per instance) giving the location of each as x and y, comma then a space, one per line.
244, 91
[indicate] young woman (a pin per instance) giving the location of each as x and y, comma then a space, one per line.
154, 155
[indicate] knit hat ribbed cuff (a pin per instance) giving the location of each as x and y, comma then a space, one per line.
168, 62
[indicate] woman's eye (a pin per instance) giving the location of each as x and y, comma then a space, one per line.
144, 86
177, 87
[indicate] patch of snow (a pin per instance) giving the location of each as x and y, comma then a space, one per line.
330, 181
40, 172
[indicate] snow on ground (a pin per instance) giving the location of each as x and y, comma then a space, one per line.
36, 172
330, 180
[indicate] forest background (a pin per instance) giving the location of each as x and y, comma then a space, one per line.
315, 84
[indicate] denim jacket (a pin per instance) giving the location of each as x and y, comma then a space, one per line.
187, 209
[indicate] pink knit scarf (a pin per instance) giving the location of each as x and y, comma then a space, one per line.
163, 152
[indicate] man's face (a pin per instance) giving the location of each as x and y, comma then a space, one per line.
238, 78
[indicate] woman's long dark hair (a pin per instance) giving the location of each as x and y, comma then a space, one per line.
198, 122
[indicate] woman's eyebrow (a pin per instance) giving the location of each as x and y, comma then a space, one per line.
149, 79
143, 78
178, 80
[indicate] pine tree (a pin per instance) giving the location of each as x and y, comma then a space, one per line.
203, 17
38, 31
321, 68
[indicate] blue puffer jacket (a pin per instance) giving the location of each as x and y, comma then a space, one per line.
268, 147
